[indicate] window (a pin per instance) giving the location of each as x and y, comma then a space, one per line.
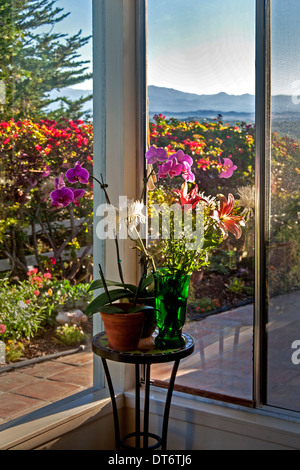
185, 71
46, 126
201, 89
282, 223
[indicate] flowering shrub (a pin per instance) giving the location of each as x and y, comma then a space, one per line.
70, 335
27, 307
14, 350
32, 155
224, 155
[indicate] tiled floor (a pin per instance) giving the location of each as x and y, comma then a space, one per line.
223, 358
27, 389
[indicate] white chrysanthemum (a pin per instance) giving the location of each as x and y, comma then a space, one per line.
247, 200
131, 211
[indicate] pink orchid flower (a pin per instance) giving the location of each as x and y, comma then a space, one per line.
155, 155
78, 174
228, 168
171, 168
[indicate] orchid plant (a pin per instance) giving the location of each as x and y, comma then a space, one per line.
61, 197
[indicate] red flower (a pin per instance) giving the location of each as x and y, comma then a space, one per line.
32, 271
190, 199
226, 221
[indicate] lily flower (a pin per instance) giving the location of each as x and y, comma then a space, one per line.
78, 174
226, 221
188, 199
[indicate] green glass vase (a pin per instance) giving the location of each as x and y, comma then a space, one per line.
171, 294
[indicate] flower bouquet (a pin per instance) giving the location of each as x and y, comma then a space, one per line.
188, 229
185, 229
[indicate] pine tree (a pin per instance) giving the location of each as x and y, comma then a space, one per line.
34, 60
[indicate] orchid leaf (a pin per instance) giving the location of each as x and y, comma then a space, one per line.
111, 309
147, 281
98, 284
103, 299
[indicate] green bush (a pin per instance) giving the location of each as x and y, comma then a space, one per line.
27, 307
70, 335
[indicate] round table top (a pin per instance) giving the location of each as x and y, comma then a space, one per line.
142, 356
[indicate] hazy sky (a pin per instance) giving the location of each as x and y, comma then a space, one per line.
199, 46
202, 46
207, 46
80, 18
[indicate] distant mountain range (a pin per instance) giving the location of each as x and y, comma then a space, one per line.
174, 103
177, 104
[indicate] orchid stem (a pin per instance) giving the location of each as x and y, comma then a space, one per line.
103, 187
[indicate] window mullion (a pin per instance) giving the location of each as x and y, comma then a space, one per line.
262, 172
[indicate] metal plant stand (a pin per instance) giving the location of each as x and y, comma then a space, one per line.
146, 358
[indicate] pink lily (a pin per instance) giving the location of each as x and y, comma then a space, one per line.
226, 221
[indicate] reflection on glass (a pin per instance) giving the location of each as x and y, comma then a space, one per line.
201, 70
45, 128
283, 261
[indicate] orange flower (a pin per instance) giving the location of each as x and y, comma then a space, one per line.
226, 221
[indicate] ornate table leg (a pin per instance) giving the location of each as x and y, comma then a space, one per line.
137, 408
168, 404
146, 407
114, 404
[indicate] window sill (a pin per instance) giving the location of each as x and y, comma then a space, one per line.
51, 422
199, 424
195, 424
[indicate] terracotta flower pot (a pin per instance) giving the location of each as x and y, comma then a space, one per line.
123, 330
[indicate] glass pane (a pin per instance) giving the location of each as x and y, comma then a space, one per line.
46, 243
201, 85
283, 260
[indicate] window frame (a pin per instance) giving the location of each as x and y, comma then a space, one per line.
211, 415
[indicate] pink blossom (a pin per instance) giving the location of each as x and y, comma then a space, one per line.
228, 168
2, 328
155, 155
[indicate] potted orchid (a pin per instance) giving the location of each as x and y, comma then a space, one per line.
124, 321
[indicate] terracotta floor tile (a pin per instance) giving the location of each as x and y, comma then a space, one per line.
14, 380
48, 390
13, 405
82, 375
46, 370
76, 359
